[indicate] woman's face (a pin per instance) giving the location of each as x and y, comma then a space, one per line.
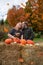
23, 25
19, 25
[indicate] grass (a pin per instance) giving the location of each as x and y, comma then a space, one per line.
38, 39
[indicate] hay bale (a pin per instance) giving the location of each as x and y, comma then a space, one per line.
10, 54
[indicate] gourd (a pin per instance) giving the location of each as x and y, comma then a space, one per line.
30, 42
8, 41
23, 41
17, 40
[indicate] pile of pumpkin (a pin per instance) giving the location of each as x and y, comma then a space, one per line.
19, 41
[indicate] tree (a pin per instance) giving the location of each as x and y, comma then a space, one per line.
11, 16
16, 15
33, 13
35, 8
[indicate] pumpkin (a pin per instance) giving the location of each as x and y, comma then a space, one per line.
23, 41
30, 42
8, 41
5, 29
21, 60
16, 40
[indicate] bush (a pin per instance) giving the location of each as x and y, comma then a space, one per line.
3, 36
38, 35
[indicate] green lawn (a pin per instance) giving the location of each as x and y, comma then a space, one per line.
38, 39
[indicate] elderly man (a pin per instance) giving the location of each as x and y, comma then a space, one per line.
27, 31
16, 31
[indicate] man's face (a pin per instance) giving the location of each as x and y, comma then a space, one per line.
20, 26
23, 25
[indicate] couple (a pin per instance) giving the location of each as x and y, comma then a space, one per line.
22, 31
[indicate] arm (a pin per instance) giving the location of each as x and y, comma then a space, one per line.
21, 36
10, 36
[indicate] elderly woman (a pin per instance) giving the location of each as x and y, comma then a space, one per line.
16, 31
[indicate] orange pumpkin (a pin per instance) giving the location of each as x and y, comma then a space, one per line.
5, 29
30, 42
8, 41
21, 60
23, 41
16, 40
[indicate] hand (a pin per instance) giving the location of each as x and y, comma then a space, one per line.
17, 34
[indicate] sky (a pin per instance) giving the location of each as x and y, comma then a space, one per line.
4, 6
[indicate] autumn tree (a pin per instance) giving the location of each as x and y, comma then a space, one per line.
40, 2
35, 8
33, 13
11, 16
16, 15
